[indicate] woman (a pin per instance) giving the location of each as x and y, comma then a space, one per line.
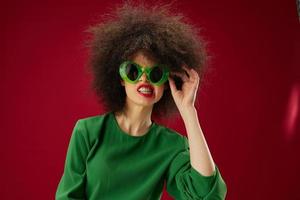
145, 62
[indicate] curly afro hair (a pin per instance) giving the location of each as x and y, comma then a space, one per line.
131, 27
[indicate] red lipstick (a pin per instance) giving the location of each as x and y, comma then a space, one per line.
148, 87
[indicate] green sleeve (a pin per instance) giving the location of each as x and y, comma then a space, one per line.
72, 182
183, 182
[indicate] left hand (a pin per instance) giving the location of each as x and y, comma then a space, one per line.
186, 96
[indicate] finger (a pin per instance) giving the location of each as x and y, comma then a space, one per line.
172, 85
194, 74
186, 67
182, 75
191, 73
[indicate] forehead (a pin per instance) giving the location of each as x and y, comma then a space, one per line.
144, 58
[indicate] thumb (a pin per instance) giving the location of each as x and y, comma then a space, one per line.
172, 85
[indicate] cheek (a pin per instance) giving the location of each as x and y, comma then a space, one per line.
160, 91
129, 88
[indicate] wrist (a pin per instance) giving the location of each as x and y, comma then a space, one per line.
187, 112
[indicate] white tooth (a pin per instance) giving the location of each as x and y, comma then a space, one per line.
145, 90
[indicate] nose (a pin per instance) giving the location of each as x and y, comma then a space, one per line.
144, 77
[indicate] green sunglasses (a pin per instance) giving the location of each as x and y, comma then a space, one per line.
132, 72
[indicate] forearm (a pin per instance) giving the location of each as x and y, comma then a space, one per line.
200, 156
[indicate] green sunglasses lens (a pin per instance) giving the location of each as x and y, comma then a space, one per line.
132, 71
156, 74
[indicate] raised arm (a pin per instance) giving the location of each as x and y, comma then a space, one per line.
200, 157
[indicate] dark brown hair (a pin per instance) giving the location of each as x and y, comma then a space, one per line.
130, 27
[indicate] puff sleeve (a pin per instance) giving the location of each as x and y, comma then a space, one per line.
183, 182
72, 182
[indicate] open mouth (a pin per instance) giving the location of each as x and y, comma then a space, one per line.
146, 90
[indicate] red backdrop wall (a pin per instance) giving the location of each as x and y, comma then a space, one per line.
248, 108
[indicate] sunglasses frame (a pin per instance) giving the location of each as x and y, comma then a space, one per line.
141, 70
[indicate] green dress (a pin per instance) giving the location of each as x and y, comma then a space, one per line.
105, 163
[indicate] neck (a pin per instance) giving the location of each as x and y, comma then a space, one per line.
136, 120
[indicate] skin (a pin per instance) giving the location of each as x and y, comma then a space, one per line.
135, 118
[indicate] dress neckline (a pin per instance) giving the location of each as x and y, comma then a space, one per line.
148, 132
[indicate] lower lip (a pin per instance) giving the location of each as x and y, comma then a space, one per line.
146, 95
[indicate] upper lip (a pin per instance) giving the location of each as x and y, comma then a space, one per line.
146, 86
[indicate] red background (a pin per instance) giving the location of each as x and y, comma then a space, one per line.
248, 108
